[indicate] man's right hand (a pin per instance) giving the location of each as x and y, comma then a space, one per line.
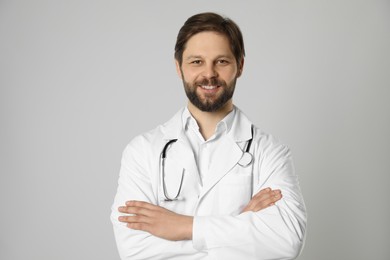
263, 199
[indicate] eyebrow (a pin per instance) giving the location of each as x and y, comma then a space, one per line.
200, 57
194, 57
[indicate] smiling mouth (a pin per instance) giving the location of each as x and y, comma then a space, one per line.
209, 87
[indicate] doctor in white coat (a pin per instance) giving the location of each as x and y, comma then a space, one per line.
208, 184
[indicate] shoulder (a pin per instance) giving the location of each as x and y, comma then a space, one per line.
159, 134
144, 142
269, 145
262, 139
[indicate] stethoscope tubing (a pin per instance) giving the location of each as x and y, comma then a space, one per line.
163, 156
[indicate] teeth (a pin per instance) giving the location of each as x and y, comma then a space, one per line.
209, 87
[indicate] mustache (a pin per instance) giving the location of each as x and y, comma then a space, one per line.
211, 82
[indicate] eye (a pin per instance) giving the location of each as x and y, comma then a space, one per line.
196, 62
223, 62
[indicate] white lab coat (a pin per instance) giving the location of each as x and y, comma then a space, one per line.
219, 230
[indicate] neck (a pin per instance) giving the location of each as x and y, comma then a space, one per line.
208, 121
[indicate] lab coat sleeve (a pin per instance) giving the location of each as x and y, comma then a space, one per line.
276, 232
135, 184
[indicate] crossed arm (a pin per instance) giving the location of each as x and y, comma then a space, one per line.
169, 225
262, 231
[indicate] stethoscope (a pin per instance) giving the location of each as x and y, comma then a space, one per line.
245, 161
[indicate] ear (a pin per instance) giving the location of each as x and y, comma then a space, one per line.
178, 70
240, 68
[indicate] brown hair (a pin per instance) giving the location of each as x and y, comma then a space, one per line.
210, 22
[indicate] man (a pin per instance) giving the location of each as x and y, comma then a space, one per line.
208, 184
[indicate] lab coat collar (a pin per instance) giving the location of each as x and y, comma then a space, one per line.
240, 130
174, 127
223, 126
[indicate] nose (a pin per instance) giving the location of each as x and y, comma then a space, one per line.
210, 71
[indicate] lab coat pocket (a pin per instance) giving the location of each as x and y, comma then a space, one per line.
235, 190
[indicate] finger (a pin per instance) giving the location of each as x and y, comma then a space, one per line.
262, 192
274, 197
135, 210
265, 200
266, 195
133, 219
270, 198
265, 203
259, 196
138, 226
141, 204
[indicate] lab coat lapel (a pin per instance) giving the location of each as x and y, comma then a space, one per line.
227, 155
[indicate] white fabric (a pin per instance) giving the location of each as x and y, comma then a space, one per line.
219, 231
204, 149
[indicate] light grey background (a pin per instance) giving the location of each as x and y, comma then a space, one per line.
79, 79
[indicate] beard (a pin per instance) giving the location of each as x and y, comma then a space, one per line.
210, 102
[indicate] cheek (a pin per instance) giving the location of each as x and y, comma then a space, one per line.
228, 74
191, 77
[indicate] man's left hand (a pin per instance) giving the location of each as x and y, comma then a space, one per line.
157, 221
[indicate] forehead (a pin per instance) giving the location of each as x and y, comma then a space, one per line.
208, 44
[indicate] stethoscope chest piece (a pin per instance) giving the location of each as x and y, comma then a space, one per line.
246, 159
